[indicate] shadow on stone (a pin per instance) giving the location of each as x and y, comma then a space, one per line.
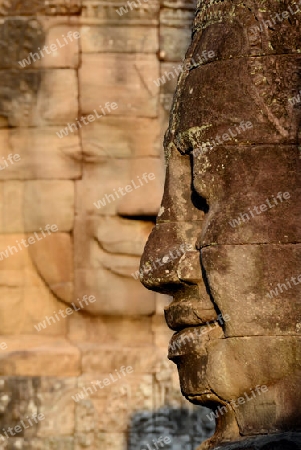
170, 429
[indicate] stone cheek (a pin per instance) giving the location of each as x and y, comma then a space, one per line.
260, 295
236, 378
252, 207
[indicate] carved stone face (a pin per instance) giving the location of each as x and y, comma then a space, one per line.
76, 184
232, 192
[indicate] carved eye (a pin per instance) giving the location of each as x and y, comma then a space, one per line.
198, 201
72, 151
92, 152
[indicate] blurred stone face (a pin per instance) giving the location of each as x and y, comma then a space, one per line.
110, 229
110, 239
232, 192
73, 180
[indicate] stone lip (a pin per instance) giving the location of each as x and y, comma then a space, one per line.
281, 441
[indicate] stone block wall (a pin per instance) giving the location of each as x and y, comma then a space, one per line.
71, 309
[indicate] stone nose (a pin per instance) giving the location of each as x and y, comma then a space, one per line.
189, 268
160, 260
171, 265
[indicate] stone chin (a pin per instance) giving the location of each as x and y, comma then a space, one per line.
250, 401
188, 349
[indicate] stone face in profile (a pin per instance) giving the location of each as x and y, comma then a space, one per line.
232, 192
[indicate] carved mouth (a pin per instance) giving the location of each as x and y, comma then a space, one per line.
188, 313
189, 339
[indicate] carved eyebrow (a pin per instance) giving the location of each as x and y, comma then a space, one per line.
183, 143
188, 140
